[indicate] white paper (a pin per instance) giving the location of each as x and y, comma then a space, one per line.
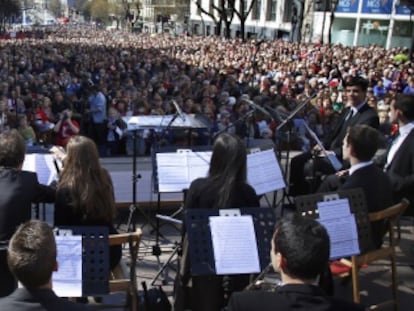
43, 165
343, 235
263, 172
334, 209
234, 244
119, 131
67, 281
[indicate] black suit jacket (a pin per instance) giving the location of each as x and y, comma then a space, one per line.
366, 115
23, 299
18, 190
289, 297
401, 171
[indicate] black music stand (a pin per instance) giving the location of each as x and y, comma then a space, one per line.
95, 255
201, 246
166, 149
306, 206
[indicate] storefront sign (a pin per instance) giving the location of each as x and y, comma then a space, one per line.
347, 6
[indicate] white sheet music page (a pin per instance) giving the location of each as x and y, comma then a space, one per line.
263, 172
234, 244
198, 164
336, 217
42, 165
172, 171
67, 281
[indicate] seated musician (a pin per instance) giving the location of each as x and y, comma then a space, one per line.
359, 147
224, 187
357, 112
299, 271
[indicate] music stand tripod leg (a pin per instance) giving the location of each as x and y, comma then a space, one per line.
164, 266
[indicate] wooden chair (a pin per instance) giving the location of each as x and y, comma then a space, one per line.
122, 277
391, 217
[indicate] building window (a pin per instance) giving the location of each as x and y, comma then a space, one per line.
271, 10
287, 11
256, 10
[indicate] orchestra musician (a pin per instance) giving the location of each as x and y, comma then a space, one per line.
357, 112
300, 252
224, 187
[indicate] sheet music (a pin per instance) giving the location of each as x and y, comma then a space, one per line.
340, 223
263, 172
43, 165
334, 209
234, 244
343, 236
67, 281
176, 170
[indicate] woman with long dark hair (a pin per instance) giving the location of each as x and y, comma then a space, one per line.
224, 187
85, 194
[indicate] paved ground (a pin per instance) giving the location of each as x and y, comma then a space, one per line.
375, 280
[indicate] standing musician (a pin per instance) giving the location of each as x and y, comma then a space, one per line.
398, 161
224, 187
357, 112
300, 252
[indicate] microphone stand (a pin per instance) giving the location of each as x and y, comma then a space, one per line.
239, 120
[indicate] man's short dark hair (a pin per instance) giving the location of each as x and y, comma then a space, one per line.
357, 81
12, 149
304, 243
405, 103
31, 255
365, 141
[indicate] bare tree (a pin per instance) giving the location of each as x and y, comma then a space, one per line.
8, 9
334, 5
225, 10
217, 21
242, 13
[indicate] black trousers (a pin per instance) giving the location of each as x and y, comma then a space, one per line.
8, 283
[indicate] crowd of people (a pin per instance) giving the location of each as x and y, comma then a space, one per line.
76, 86
76, 79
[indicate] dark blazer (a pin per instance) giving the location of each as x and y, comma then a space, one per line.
376, 186
366, 115
401, 171
23, 299
18, 190
207, 292
289, 297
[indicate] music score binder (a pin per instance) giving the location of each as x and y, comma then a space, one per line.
176, 170
200, 242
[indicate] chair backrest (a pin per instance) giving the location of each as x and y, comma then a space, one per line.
391, 217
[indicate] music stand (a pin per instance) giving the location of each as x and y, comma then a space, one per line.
306, 206
95, 255
200, 243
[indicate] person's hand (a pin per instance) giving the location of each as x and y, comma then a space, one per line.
342, 173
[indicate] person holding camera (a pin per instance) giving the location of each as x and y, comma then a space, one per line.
65, 128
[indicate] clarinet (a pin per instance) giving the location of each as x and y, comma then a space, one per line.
258, 280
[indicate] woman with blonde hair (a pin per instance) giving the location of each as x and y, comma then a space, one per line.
85, 194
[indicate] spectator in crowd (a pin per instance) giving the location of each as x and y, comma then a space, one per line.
19, 189
26, 131
31, 257
299, 271
65, 128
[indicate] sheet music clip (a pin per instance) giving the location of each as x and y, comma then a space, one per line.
255, 150
63, 232
230, 212
331, 197
184, 150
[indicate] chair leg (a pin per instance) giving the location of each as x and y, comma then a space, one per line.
355, 281
394, 281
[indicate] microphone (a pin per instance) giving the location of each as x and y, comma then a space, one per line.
260, 108
178, 110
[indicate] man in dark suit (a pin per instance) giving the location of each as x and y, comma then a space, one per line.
18, 190
399, 160
32, 259
300, 251
359, 147
357, 112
